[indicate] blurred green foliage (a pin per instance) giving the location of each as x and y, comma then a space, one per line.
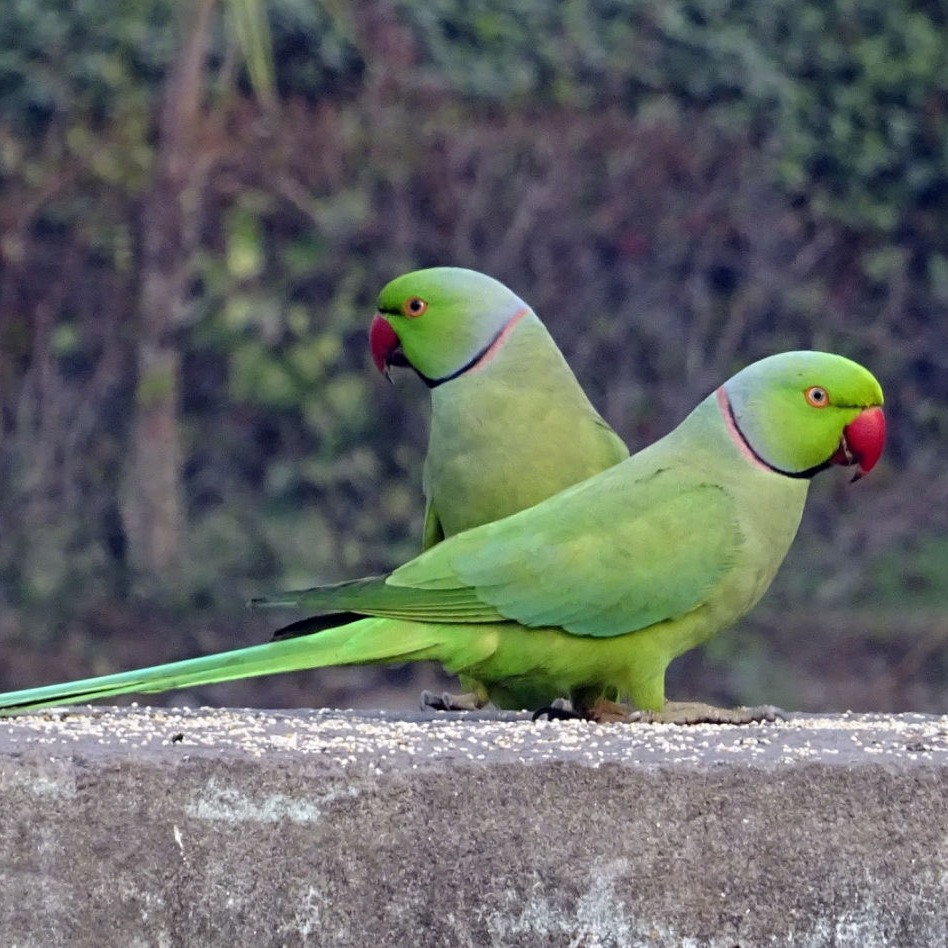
677, 187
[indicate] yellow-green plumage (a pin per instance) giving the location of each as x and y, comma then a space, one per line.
513, 426
632, 568
509, 435
593, 592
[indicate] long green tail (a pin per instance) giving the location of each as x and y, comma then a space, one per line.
368, 641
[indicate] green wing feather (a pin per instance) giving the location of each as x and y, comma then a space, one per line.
375, 596
601, 559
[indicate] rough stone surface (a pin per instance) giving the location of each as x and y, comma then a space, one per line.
215, 827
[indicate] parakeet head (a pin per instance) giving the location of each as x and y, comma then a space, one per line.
441, 321
798, 412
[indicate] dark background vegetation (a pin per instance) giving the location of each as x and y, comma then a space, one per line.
188, 266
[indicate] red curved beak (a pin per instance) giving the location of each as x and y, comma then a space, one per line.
384, 344
862, 442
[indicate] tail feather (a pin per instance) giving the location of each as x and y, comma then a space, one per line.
368, 641
333, 598
375, 596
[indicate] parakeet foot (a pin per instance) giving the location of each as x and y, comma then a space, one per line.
559, 710
429, 701
696, 712
609, 712
600, 712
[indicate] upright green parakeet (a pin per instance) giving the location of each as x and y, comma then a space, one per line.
510, 425
593, 592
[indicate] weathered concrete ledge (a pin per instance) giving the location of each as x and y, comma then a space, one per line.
167, 828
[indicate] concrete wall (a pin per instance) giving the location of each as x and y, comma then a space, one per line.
161, 828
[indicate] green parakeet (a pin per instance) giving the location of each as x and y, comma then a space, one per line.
510, 425
593, 592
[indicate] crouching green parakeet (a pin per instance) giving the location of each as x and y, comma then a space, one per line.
593, 592
510, 425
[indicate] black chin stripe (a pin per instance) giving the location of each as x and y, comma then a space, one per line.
434, 383
808, 473
798, 475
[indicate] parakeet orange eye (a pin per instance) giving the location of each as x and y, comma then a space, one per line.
817, 396
414, 306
